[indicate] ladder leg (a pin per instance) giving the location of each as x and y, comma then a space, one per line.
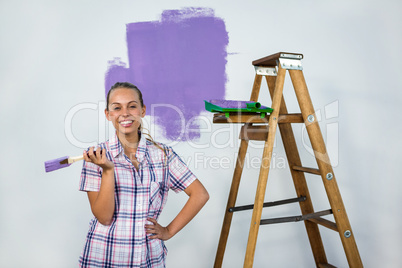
231, 203
324, 165
299, 180
227, 221
256, 88
264, 170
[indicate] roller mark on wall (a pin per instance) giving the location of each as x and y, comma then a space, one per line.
177, 62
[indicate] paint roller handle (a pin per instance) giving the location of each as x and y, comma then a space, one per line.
253, 105
75, 159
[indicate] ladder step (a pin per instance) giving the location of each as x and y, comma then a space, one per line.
325, 265
326, 223
269, 204
296, 218
307, 170
221, 118
256, 133
272, 60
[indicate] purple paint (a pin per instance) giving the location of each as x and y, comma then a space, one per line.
178, 61
234, 104
55, 164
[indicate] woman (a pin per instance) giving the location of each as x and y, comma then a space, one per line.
127, 179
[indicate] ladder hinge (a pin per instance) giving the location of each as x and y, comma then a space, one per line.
291, 56
269, 71
290, 64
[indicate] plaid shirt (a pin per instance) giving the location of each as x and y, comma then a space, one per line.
138, 195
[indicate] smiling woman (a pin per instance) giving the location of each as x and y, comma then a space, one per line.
127, 179
126, 109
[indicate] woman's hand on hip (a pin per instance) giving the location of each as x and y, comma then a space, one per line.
157, 231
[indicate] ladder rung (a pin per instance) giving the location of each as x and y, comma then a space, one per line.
290, 118
325, 265
269, 204
296, 218
308, 170
220, 118
326, 223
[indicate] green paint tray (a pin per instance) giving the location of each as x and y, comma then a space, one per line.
230, 106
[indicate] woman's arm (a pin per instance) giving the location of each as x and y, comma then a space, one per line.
102, 202
198, 196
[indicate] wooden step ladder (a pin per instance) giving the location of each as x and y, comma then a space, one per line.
274, 68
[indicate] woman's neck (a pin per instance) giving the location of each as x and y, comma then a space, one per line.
129, 143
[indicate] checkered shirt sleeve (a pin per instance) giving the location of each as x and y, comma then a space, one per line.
91, 176
180, 176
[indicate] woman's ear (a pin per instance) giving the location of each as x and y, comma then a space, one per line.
144, 109
107, 114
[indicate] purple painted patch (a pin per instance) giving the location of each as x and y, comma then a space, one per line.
177, 63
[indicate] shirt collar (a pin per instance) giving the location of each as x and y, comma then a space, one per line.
141, 149
116, 148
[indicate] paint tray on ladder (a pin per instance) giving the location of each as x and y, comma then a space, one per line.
234, 106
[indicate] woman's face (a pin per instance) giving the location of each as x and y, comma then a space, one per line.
125, 111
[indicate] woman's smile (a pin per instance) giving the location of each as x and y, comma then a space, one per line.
126, 123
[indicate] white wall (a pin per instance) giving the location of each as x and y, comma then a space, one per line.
54, 56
